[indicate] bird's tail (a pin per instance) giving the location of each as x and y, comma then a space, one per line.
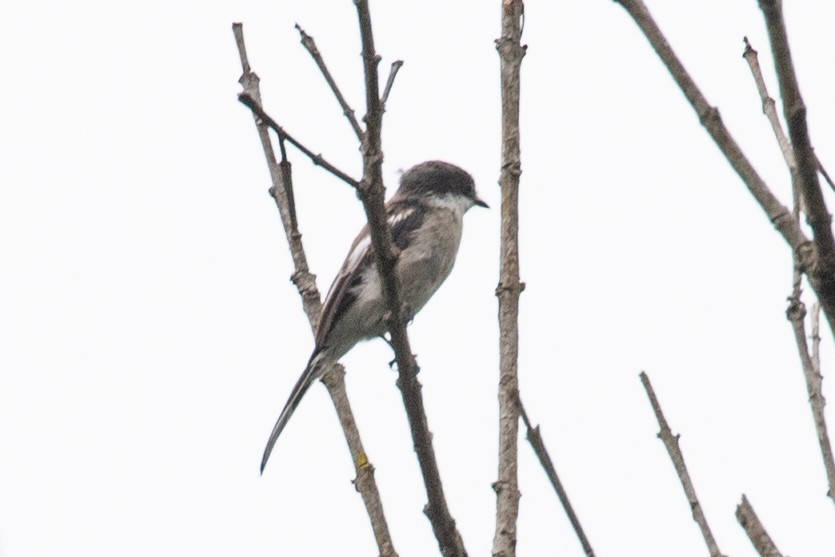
309, 375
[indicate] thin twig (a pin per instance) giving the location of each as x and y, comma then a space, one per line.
510, 286
824, 173
371, 192
318, 160
821, 274
769, 106
535, 439
796, 314
671, 442
395, 67
822, 277
756, 531
819, 269
281, 190
305, 281
311, 47
770, 110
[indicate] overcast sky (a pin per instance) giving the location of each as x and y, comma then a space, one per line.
149, 334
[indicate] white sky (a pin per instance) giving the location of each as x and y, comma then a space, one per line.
150, 335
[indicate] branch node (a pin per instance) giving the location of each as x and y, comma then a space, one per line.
535, 439
674, 450
794, 111
517, 288
250, 102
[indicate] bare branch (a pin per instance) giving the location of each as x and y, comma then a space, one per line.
510, 286
769, 106
710, 119
671, 442
318, 160
770, 110
371, 192
310, 45
756, 531
822, 272
364, 483
238, 31
535, 439
796, 313
818, 263
395, 67
305, 281
281, 190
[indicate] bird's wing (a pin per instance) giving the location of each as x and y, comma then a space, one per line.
403, 218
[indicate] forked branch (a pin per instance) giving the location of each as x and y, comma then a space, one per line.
255, 106
371, 192
796, 314
710, 119
821, 271
797, 310
305, 281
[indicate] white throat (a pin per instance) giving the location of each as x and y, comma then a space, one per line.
459, 204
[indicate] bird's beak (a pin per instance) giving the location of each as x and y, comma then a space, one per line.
481, 203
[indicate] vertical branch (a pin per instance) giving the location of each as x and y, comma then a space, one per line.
305, 281
756, 531
671, 443
510, 286
371, 192
822, 272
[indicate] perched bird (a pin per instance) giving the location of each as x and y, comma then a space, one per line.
426, 219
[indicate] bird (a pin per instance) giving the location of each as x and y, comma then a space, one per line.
426, 219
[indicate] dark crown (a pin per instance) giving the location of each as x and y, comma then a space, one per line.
437, 177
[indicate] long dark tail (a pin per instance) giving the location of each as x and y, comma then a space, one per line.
309, 375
